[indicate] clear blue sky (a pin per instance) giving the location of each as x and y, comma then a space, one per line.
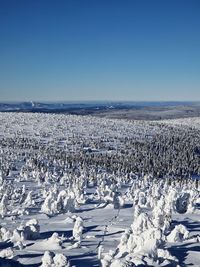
99, 50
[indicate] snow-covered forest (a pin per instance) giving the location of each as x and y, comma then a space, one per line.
86, 191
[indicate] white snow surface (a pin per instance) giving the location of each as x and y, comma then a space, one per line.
80, 217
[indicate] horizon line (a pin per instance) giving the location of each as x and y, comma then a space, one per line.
94, 100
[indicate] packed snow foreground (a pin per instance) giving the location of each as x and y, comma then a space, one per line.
83, 191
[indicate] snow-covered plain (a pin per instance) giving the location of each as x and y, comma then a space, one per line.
84, 191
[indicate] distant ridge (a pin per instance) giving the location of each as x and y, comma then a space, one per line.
122, 109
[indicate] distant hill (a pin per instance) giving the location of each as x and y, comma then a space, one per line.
125, 110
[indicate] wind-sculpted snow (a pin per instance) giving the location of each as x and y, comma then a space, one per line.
145, 241
85, 191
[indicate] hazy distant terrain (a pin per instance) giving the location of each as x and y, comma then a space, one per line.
152, 113
125, 110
